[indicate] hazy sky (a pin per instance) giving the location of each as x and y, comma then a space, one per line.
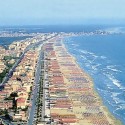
23, 12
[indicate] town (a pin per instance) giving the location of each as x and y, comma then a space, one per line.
41, 83
19, 78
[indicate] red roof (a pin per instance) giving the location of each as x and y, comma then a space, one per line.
22, 100
69, 120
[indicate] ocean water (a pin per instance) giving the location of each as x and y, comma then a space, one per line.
103, 57
62, 28
51, 28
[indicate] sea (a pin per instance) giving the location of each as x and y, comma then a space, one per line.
101, 56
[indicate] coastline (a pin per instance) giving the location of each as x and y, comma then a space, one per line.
104, 108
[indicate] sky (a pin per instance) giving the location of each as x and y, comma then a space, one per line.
40, 12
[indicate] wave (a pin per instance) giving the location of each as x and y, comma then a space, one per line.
83, 57
114, 81
114, 94
117, 100
103, 57
122, 106
110, 102
74, 45
96, 66
112, 68
87, 52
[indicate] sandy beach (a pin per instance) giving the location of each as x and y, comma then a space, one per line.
74, 101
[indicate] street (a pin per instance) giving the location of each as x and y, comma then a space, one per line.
35, 91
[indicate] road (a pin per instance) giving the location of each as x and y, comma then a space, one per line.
35, 91
45, 109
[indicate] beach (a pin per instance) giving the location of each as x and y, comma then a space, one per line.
105, 67
73, 99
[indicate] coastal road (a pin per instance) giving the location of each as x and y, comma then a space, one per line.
45, 95
43, 107
35, 91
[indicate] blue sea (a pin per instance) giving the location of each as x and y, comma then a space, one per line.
51, 28
103, 57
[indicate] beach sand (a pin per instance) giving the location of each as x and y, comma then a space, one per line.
86, 104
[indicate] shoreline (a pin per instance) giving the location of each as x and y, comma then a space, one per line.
105, 108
